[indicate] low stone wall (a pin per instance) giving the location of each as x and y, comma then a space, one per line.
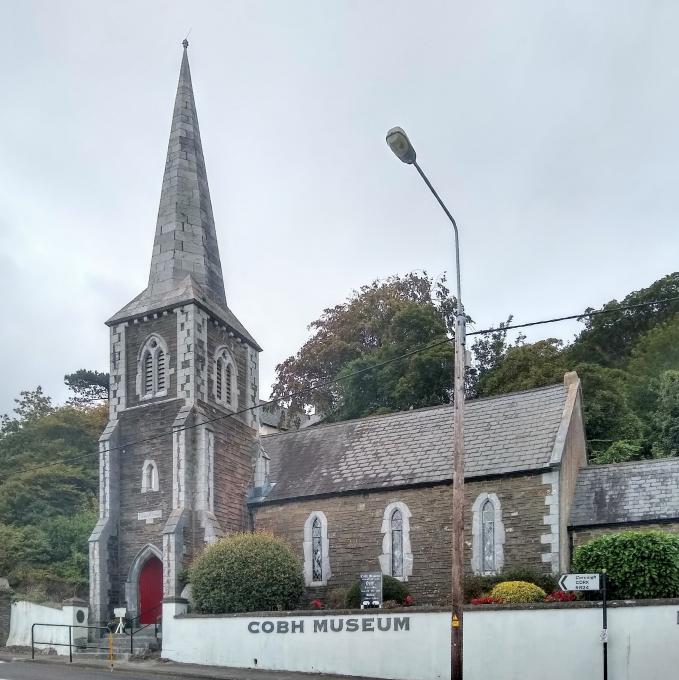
555, 641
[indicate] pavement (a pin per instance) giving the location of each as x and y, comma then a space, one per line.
19, 666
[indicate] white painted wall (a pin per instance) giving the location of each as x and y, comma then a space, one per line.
512, 644
379, 654
564, 643
24, 614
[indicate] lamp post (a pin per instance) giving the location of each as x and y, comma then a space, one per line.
400, 144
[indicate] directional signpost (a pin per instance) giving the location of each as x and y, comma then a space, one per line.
590, 582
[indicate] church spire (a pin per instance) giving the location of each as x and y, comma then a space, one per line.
186, 239
185, 265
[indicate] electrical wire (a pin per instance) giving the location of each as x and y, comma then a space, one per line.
337, 379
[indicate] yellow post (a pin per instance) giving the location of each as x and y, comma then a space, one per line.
110, 649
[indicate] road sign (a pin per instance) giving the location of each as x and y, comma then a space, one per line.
580, 582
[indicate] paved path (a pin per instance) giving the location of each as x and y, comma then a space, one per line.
20, 667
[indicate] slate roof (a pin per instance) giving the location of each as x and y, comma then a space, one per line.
510, 433
626, 492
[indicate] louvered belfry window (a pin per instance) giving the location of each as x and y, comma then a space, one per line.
153, 369
225, 379
219, 381
148, 373
228, 383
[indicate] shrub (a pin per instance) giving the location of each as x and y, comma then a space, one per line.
392, 589
639, 564
477, 586
245, 573
337, 598
561, 596
486, 600
517, 592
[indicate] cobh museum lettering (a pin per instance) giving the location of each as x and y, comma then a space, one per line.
332, 624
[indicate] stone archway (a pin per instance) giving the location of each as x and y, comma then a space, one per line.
144, 564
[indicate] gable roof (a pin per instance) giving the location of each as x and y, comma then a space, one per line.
511, 433
626, 492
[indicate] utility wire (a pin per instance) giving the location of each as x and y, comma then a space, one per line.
337, 379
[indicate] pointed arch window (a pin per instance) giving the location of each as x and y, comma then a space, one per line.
316, 550
152, 375
488, 535
149, 477
225, 379
397, 557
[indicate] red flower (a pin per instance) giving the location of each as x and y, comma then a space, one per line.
317, 604
487, 600
408, 602
561, 596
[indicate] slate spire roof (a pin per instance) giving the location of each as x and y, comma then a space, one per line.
185, 265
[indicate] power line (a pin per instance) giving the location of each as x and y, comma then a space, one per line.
337, 379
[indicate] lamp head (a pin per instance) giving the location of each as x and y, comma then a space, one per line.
399, 143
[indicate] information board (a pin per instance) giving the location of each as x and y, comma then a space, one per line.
371, 589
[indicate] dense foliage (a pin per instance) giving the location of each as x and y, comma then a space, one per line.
392, 590
517, 592
246, 572
48, 485
376, 324
476, 586
639, 565
627, 361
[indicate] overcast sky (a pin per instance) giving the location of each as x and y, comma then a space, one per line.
549, 127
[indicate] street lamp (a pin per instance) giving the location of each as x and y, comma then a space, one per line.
400, 144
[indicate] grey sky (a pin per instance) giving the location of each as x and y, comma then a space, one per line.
550, 128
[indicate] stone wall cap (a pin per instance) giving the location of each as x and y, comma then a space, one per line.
76, 602
318, 612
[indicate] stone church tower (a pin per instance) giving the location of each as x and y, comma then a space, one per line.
176, 457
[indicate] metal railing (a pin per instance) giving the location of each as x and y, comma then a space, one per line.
70, 644
156, 623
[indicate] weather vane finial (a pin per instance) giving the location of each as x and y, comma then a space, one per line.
185, 42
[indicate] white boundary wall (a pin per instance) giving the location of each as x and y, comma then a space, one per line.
513, 644
24, 614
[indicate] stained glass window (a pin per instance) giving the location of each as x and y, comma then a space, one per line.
316, 550
488, 536
396, 543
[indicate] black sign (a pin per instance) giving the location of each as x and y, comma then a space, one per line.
371, 589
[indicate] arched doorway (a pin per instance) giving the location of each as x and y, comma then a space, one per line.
150, 590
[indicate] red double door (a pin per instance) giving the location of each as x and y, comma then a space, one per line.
150, 590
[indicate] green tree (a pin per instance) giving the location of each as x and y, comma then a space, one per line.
608, 339
524, 367
88, 387
366, 329
665, 419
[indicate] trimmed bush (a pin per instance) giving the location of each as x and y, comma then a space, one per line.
392, 589
478, 586
640, 565
517, 592
246, 572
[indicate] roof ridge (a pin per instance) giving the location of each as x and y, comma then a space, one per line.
630, 463
375, 416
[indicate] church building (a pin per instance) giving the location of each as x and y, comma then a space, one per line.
183, 460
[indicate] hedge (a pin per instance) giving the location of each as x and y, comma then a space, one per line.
245, 573
640, 565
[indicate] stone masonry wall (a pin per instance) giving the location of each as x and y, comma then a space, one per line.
5, 613
134, 533
581, 536
355, 537
136, 333
233, 468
